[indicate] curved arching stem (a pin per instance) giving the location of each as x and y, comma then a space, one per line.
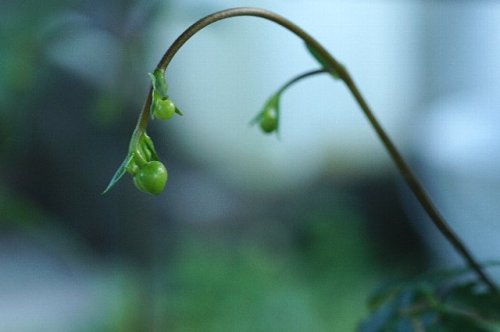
228, 13
301, 77
339, 71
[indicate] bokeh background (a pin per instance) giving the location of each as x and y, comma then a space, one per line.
253, 233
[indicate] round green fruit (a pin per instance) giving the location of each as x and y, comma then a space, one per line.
164, 109
151, 177
269, 120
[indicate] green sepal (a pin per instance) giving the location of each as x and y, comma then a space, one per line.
322, 61
119, 173
159, 93
159, 83
147, 142
271, 103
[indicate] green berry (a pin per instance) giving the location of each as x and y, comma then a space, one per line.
151, 177
269, 120
163, 108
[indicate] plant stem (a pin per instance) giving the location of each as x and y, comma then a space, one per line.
343, 74
301, 77
416, 187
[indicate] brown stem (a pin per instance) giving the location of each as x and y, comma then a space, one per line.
338, 70
417, 188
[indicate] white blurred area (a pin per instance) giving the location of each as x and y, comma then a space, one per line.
50, 284
457, 136
459, 151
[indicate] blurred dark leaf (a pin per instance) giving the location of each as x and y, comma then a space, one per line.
481, 303
19, 212
381, 318
440, 301
382, 294
405, 324
455, 322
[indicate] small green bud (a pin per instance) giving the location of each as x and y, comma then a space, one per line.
151, 178
269, 120
163, 108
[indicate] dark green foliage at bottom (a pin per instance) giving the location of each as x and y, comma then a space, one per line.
434, 303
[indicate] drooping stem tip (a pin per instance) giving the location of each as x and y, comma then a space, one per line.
337, 70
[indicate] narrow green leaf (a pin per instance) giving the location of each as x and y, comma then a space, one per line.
119, 173
322, 61
150, 146
159, 83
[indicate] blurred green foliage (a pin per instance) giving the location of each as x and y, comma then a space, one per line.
306, 264
319, 285
439, 301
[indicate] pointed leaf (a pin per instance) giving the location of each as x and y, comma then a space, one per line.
119, 173
149, 144
159, 83
322, 61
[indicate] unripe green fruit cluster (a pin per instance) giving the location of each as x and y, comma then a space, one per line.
142, 162
148, 173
